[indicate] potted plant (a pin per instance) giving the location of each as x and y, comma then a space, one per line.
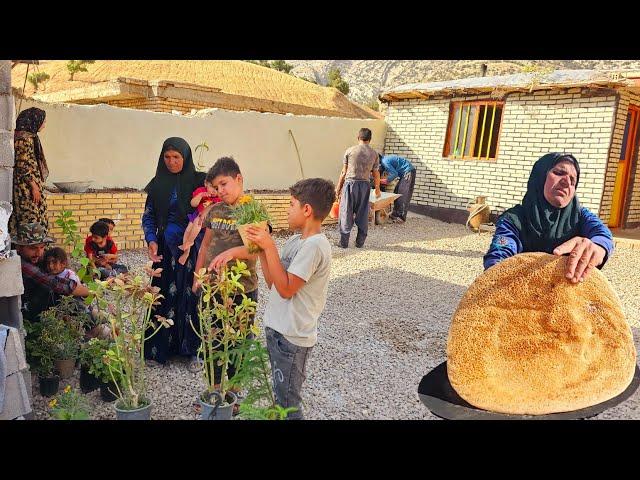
222, 329
128, 301
93, 370
69, 405
249, 212
40, 354
62, 332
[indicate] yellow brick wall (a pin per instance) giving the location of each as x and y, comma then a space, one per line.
126, 209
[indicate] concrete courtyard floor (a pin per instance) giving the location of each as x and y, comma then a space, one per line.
384, 326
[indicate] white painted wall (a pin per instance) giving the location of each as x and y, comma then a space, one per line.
119, 147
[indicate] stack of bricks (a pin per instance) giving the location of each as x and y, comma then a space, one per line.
126, 209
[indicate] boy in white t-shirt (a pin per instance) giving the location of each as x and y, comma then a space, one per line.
298, 280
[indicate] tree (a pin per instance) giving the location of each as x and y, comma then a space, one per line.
336, 81
75, 66
373, 104
281, 66
37, 78
262, 63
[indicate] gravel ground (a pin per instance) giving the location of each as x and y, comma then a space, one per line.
384, 326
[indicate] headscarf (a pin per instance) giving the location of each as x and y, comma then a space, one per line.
185, 182
28, 123
542, 226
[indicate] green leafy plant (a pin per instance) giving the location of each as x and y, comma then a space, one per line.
73, 239
249, 210
37, 78
62, 329
73, 312
75, 66
69, 405
223, 326
92, 356
254, 375
39, 355
128, 301
56, 336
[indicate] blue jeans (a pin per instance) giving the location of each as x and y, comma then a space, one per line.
288, 362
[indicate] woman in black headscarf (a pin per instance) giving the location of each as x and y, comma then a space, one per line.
30, 171
550, 219
164, 222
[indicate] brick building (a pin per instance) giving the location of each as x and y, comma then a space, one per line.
481, 136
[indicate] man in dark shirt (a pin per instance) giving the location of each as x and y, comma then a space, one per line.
41, 290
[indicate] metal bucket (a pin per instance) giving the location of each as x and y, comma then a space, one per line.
216, 411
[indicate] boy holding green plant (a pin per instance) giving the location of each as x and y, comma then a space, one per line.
222, 241
298, 280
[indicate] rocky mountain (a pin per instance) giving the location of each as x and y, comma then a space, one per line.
367, 78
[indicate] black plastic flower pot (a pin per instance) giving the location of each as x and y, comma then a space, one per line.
108, 392
88, 382
49, 386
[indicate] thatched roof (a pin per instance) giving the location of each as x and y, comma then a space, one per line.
516, 82
230, 77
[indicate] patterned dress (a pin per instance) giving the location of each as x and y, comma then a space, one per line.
179, 302
26, 170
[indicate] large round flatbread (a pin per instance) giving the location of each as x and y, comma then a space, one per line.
524, 340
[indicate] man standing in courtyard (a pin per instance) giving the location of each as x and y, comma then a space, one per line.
359, 163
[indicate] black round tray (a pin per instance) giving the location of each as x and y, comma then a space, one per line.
438, 395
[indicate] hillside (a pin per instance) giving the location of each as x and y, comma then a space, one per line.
367, 77
228, 76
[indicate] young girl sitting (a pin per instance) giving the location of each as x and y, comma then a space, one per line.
202, 197
56, 263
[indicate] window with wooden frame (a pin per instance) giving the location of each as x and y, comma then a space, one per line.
473, 130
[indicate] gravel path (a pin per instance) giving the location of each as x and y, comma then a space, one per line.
384, 326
